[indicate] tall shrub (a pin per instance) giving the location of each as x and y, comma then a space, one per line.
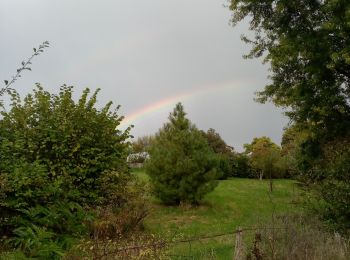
59, 159
333, 185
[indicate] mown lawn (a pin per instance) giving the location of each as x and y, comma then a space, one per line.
234, 203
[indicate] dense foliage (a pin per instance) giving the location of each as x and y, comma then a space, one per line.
308, 48
225, 153
59, 160
182, 167
307, 44
141, 144
265, 157
242, 166
333, 191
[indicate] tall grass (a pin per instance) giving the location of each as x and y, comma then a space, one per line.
294, 237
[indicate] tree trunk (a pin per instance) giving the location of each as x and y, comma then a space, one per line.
271, 187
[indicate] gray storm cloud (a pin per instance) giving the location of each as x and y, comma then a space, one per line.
142, 52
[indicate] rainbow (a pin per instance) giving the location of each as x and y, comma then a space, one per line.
131, 118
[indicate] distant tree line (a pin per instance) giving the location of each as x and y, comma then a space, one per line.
261, 158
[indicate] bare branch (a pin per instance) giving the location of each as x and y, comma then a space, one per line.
25, 65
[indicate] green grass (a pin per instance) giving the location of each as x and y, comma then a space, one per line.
234, 203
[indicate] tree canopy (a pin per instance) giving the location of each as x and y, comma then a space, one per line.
265, 156
216, 142
141, 144
224, 152
307, 44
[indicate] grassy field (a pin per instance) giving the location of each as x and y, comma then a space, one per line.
234, 203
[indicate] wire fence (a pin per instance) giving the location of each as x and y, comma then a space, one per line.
226, 245
289, 238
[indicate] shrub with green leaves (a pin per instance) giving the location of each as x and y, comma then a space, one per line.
225, 153
242, 167
182, 166
333, 188
59, 160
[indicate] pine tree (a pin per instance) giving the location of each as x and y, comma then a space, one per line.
182, 167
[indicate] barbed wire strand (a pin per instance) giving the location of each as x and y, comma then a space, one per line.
162, 244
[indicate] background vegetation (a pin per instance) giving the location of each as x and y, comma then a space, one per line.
62, 164
67, 191
307, 44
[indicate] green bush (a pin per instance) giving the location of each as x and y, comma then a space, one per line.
182, 166
333, 190
242, 167
59, 160
225, 153
225, 166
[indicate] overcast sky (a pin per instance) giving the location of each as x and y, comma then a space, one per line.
140, 53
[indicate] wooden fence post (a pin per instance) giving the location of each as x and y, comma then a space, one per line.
239, 252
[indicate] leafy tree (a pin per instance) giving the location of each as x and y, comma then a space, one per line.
242, 167
225, 153
142, 144
182, 167
307, 44
59, 160
216, 142
293, 139
265, 157
333, 193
